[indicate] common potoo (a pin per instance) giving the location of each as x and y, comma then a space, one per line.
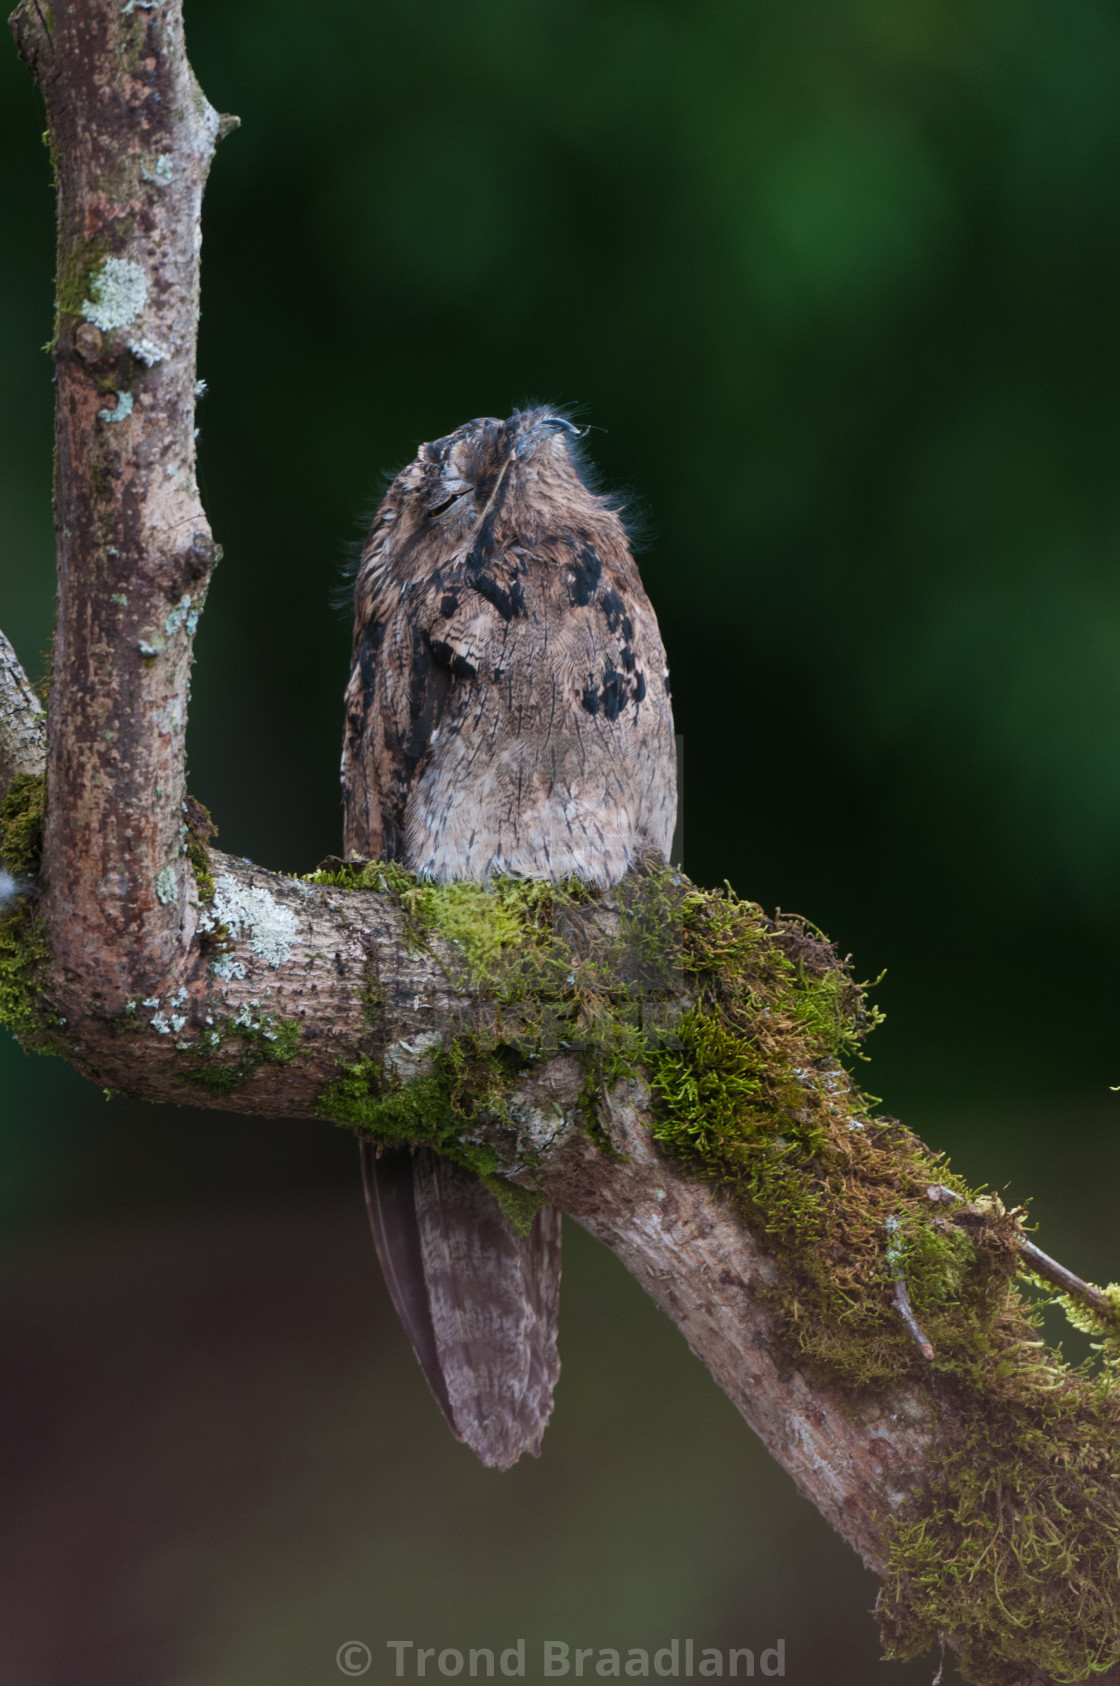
507, 713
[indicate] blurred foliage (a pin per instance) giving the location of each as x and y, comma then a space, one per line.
838, 283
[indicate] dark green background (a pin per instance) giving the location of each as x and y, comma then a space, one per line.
839, 280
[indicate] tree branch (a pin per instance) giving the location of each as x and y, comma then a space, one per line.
165, 969
23, 734
131, 137
1104, 1305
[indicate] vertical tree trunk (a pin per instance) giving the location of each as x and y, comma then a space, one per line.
131, 138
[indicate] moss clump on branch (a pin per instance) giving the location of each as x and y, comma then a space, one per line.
229, 1051
1012, 1547
739, 1024
199, 831
544, 977
1024, 1488
75, 277
427, 1110
21, 824
485, 923
24, 954
756, 1100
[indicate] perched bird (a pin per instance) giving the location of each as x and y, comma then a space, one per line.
507, 713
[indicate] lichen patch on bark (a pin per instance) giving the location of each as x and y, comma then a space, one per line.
252, 912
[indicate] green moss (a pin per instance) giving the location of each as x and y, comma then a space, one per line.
415, 1112
75, 279
427, 1110
482, 922
49, 144
199, 832
229, 1051
543, 976
21, 823
520, 1205
1017, 1533
24, 955
1012, 1546
338, 874
754, 1098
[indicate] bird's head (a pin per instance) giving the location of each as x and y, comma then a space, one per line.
491, 482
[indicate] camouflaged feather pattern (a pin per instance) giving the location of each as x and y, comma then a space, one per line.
508, 712
508, 709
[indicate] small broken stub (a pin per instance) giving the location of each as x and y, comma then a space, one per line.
88, 341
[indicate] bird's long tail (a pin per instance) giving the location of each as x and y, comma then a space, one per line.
478, 1301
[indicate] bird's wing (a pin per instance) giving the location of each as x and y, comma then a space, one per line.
394, 704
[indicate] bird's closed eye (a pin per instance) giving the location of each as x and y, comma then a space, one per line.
446, 504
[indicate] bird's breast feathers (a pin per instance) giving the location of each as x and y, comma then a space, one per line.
508, 710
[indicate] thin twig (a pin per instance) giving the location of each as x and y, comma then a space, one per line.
1041, 1263
902, 1294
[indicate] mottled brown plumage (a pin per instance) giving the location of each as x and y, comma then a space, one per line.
508, 713
508, 710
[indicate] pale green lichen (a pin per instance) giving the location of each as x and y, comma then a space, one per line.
122, 411
253, 914
167, 886
179, 616
170, 1023
120, 293
147, 352
161, 172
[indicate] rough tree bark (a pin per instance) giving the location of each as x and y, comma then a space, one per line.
134, 981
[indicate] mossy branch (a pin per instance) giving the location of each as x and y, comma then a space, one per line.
1102, 1305
664, 1063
